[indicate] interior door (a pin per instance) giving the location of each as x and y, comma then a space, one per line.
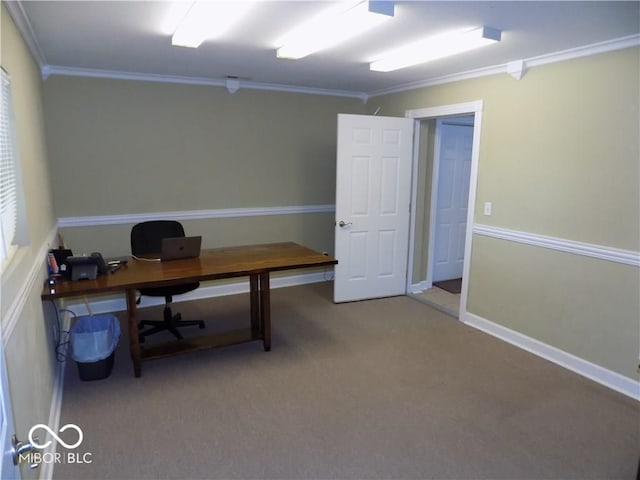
7, 470
373, 191
456, 141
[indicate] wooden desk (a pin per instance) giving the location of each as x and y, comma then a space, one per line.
254, 261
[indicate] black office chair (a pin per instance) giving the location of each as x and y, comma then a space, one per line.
146, 238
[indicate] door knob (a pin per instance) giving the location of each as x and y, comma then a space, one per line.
343, 224
20, 449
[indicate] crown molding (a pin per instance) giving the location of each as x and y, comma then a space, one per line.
21, 20
586, 51
313, 91
560, 56
19, 17
48, 70
455, 77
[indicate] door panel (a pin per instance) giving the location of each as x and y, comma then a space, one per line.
452, 200
7, 470
373, 188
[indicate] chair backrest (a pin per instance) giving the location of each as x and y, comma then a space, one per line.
146, 237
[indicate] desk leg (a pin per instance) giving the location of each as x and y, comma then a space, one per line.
255, 303
265, 310
134, 344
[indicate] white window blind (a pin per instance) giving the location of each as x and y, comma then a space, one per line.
12, 221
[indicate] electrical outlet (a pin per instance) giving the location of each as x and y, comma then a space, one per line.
487, 208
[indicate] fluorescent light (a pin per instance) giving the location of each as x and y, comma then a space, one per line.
174, 14
333, 26
207, 20
433, 48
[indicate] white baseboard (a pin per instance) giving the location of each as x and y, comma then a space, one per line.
598, 374
419, 287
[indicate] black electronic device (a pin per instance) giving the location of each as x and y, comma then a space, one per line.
83, 268
175, 248
102, 265
115, 264
86, 267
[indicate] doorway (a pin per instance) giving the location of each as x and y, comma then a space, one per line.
449, 201
444, 186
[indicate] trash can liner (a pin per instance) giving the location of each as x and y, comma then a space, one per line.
94, 337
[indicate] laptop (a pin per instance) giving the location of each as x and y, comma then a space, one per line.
175, 248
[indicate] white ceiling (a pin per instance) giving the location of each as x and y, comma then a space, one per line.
124, 38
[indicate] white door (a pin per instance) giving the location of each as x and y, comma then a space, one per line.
373, 191
7, 470
454, 168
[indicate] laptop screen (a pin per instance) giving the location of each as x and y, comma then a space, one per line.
175, 248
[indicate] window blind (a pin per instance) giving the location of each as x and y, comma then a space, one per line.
11, 196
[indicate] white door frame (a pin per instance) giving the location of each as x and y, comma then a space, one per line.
469, 108
7, 469
433, 202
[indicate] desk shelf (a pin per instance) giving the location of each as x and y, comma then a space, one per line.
203, 342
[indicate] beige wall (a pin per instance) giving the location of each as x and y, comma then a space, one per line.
128, 147
559, 148
29, 349
558, 157
132, 147
581, 305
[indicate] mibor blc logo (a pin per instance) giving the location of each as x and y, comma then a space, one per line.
57, 457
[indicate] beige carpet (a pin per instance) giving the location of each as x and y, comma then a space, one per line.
382, 389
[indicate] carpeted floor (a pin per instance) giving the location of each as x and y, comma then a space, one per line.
382, 389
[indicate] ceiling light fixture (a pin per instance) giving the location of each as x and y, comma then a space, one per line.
333, 26
206, 20
433, 48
